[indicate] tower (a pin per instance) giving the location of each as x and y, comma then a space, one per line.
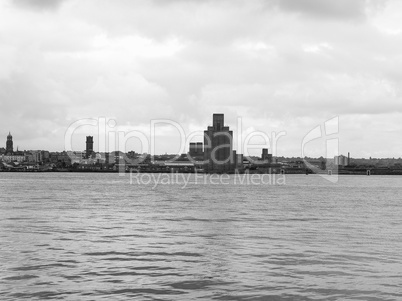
264, 155
90, 146
199, 148
9, 144
193, 149
218, 146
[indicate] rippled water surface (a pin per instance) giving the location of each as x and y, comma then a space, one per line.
82, 236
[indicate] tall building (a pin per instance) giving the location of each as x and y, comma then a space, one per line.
9, 144
199, 148
193, 149
90, 146
218, 146
264, 155
341, 160
196, 149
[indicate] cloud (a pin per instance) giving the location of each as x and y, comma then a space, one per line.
340, 9
283, 65
39, 4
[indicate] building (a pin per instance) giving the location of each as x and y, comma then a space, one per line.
9, 144
45, 156
341, 160
37, 156
196, 150
132, 154
76, 157
12, 158
90, 146
239, 161
29, 157
61, 159
218, 146
199, 148
192, 148
265, 156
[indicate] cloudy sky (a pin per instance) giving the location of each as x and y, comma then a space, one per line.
279, 65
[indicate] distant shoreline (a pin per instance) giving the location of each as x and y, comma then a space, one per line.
373, 172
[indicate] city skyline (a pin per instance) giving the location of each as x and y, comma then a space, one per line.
194, 147
282, 66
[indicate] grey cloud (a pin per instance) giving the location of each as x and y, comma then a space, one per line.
343, 9
234, 57
333, 9
39, 4
339, 9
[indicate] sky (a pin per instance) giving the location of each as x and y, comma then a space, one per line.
278, 67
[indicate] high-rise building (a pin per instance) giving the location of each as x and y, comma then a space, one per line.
199, 148
193, 149
218, 146
196, 149
196, 152
90, 146
9, 144
264, 155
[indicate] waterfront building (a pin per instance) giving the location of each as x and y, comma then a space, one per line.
45, 156
199, 148
54, 157
37, 156
60, 158
29, 158
196, 151
9, 144
264, 155
196, 148
75, 157
192, 148
341, 160
12, 158
132, 155
89, 146
218, 146
102, 158
115, 157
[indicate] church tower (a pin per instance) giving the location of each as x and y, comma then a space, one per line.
90, 146
9, 144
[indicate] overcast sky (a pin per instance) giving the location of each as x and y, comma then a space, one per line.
280, 65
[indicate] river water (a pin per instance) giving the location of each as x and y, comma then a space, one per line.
88, 236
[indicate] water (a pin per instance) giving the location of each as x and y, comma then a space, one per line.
76, 236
